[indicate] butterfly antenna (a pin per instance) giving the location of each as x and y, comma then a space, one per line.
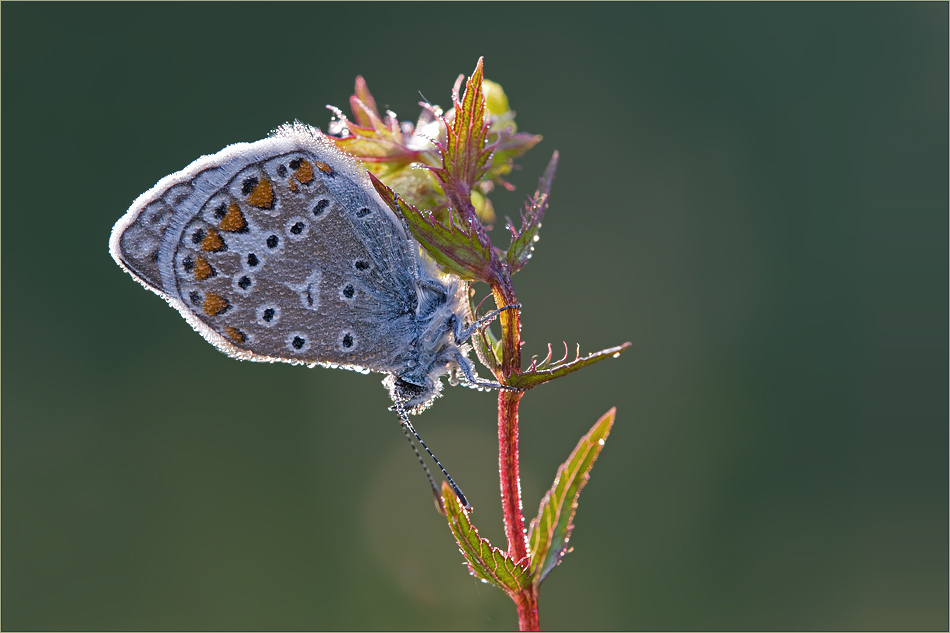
435, 491
408, 428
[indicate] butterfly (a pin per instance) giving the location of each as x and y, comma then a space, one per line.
281, 250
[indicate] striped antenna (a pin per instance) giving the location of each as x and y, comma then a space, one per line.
408, 428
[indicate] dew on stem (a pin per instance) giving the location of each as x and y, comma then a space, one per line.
436, 175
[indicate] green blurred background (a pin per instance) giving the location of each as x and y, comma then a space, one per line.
754, 195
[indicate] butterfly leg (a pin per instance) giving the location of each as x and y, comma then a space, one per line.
463, 335
471, 379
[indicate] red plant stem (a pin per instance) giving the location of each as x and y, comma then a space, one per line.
508, 471
528, 609
526, 601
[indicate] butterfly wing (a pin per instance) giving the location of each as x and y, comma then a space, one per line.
278, 250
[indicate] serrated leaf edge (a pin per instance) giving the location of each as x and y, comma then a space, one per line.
577, 466
474, 548
523, 240
540, 372
457, 250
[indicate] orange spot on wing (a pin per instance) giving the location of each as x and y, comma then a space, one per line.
203, 269
212, 242
214, 304
262, 196
233, 220
304, 173
293, 185
235, 334
325, 168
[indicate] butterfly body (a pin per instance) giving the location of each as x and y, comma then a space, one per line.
282, 251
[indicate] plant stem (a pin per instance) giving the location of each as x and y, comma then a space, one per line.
527, 601
528, 609
508, 470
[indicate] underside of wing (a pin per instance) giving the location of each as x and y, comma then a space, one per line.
278, 251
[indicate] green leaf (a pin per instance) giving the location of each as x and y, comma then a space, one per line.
465, 253
466, 155
485, 561
550, 531
470, 148
542, 371
522, 241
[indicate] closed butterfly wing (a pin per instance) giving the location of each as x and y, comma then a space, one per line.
278, 250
